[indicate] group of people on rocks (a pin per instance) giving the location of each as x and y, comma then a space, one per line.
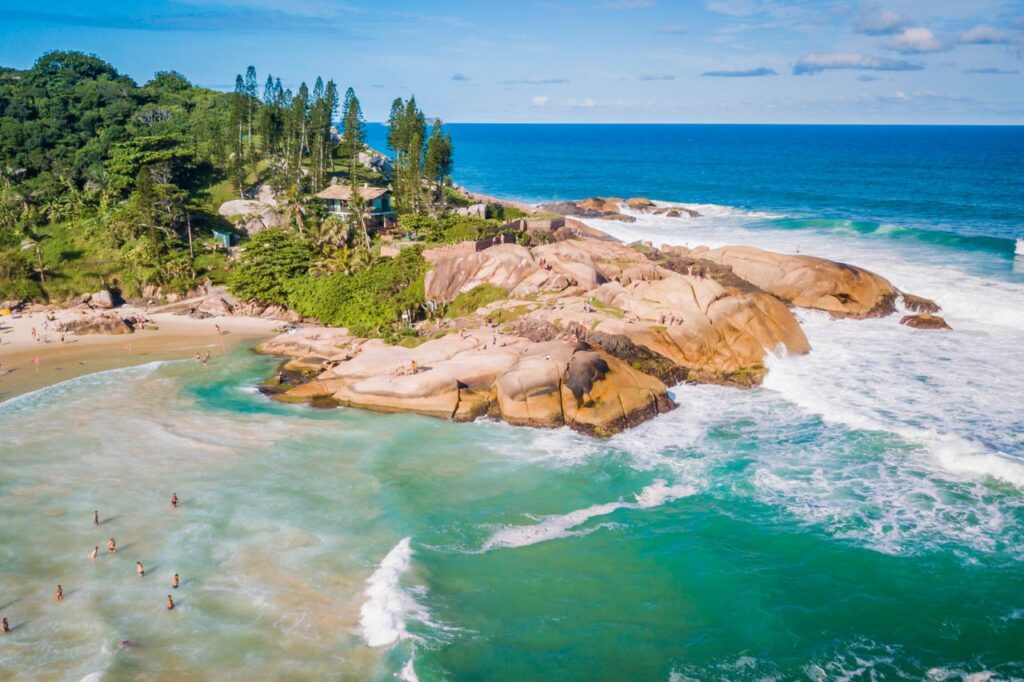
58, 593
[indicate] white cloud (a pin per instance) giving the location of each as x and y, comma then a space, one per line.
816, 63
585, 103
916, 41
991, 71
986, 35
884, 23
540, 101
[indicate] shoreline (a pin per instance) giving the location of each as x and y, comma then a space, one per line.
27, 365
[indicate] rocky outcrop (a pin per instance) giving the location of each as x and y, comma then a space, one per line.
466, 376
591, 333
924, 321
610, 208
103, 323
254, 215
104, 299
919, 304
809, 282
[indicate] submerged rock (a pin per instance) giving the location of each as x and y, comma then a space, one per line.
924, 321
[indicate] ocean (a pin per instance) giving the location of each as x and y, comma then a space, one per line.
860, 516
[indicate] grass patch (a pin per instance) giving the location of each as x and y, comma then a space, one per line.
609, 309
469, 301
504, 315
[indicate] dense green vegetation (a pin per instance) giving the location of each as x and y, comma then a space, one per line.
477, 297
108, 184
369, 301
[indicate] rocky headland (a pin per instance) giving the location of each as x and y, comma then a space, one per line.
587, 332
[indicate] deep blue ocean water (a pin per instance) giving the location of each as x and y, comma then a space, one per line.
935, 182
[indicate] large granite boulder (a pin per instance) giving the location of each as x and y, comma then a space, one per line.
104, 299
809, 282
106, 323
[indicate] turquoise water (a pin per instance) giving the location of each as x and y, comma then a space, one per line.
736, 538
860, 516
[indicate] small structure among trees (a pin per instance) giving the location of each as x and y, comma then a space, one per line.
376, 202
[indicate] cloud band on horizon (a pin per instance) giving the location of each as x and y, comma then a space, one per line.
816, 63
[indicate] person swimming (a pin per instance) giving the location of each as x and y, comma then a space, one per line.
175, 581
170, 603
139, 570
174, 500
58, 594
112, 545
94, 552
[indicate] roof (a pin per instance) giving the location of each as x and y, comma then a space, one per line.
344, 192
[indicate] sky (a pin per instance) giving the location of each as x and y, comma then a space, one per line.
621, 61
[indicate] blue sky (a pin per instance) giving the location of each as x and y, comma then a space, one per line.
745, 61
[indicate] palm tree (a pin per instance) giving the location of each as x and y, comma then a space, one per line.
30, 243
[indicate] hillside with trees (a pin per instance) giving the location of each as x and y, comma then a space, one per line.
105, 183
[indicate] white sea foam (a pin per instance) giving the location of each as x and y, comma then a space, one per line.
92, 677
33, 398
408, 672
561, 525
389, 607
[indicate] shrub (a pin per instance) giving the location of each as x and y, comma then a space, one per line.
477, 297
271, 259
369, 302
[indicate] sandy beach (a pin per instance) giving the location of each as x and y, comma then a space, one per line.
28, 363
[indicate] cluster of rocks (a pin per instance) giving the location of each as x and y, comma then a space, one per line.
252, 215
612, 208
591, 333
108, 322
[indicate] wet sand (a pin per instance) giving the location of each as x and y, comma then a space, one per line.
27, 364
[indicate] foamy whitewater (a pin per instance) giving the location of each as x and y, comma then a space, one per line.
857, 517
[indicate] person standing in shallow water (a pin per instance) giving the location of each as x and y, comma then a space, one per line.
175, 581
94, 552
112, 545
4, 626
174, 500
58, 594
96, 518
139, 570
170, 603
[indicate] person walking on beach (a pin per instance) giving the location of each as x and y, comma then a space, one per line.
139, 570
95, 518
94, 552
58, 594
170, 603
174, 500
112, 545
175, 581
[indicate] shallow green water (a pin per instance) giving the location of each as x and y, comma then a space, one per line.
735, 538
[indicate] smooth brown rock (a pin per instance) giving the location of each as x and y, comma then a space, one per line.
809, 282
919, 304
924, 321
639, 203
